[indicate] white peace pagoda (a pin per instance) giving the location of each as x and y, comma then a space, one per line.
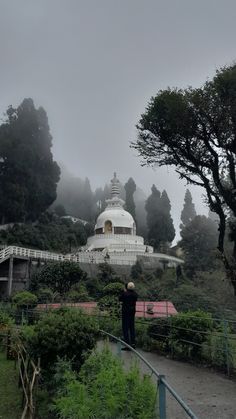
115, 238
115, 230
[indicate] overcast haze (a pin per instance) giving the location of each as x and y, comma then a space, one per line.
93, 66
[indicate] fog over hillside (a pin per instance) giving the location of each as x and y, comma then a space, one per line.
94, 66
73, 191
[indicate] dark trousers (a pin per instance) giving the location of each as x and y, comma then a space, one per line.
128, 328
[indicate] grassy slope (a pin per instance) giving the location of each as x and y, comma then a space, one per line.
10, 394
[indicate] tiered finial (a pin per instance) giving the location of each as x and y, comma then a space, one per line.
115, 188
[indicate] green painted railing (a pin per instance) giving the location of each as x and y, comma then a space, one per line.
162, 384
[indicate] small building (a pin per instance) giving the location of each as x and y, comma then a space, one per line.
74, 219
144, 309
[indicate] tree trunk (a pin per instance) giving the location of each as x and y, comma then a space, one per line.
230, 266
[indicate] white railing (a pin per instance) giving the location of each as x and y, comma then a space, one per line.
83, 257
29, 253
92, 257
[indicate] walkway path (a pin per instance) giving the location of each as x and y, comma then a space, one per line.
210, 395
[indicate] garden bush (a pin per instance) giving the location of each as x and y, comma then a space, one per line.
109, 302
188, 332
220, 348
62, 333
24, 299
58, 276
159, 330
24, 302
105, 390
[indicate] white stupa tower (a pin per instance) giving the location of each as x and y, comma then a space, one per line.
115, 229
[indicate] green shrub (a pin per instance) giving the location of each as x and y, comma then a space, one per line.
58, 276
5, 320
220, 348
24, 302
6, 323
45, 295
188, 332
25, 299
110, 324
109, 301
105, 390
63, 333
136, 270
77, 293
143, 339
159, 330
113, 289
106, 274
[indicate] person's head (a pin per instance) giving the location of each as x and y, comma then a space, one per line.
130, 286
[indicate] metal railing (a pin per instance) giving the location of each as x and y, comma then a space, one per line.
162, 384
213, 347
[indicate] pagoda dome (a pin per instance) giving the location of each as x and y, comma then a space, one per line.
118, 217
114, 219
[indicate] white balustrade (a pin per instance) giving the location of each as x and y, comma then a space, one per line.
92, 257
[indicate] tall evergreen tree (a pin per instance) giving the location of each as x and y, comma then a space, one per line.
130, 188
160, 224
87, 207
188, 212
28, 174
152, 205
167, 230
199, 240
140, 212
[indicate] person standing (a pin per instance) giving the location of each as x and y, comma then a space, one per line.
128, 299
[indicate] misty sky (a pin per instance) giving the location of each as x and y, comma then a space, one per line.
94, 64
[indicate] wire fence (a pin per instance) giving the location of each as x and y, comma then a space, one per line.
210, 341
29, 373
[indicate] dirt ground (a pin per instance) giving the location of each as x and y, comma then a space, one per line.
210, 395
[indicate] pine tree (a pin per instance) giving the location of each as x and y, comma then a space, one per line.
167, 230
161, 230
188, 213
152, 208
199, 240
87, 207
130, 188
28, 174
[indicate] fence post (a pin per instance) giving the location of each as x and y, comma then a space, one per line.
226, 349
162, 397
119, 348
170, 338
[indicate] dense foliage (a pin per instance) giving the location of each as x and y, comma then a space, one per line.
28, 174
24, 299
194, 130
130, 188
189, 331
58, 276
49, 233
109, 302
161, 230
199, 241
105, 390
188, 212
61, 333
